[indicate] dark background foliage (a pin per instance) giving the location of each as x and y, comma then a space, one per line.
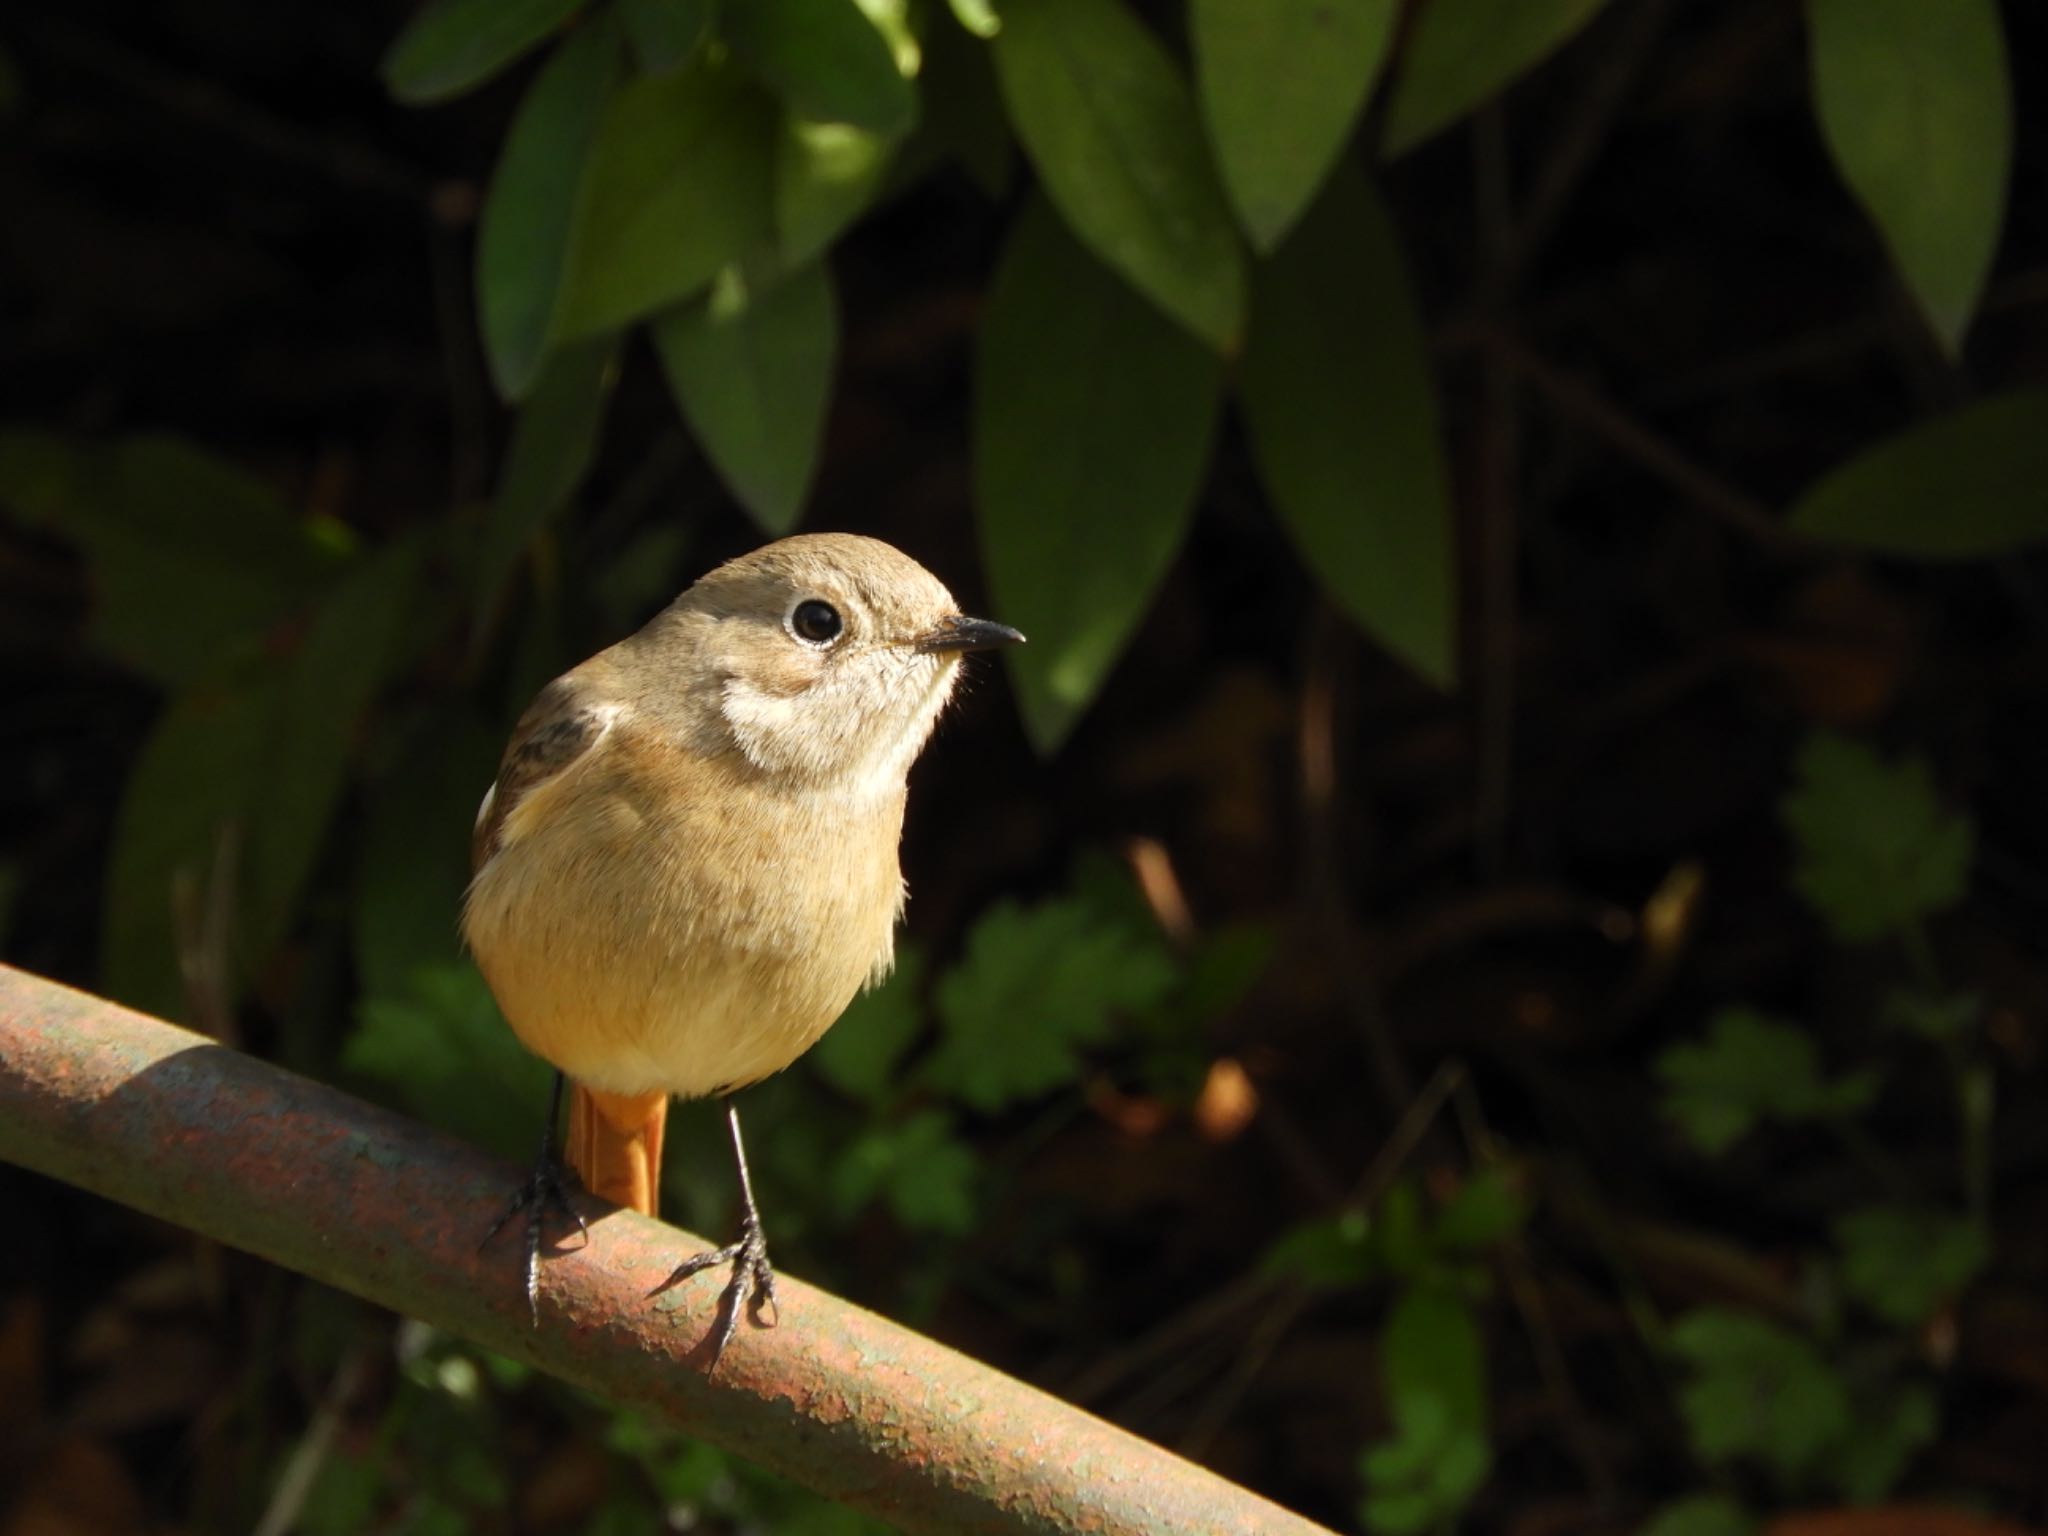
1608, 1088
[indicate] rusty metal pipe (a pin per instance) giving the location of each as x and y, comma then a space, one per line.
835, 1398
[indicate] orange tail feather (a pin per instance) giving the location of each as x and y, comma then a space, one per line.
615, 1145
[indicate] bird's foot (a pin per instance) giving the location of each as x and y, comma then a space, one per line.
751, 1288
549, 1186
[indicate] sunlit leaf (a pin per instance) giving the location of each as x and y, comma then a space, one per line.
1106, 117
1878, 851
1093, 416
825, 58
1462, 51
1967, 485
1903, 1262
665, 33
1916, 105
826, 174
977, 16
553, 443
1757, 1389
679, 187
1341, 410
1274, 146
453, 45
529, 215
753, 372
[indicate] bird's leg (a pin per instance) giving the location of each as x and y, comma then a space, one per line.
548, 1186
753, 1278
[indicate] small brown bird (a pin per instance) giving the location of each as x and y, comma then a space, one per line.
687, 867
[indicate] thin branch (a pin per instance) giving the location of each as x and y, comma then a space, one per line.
835, 1398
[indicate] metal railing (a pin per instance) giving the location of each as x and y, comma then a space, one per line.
835, 1398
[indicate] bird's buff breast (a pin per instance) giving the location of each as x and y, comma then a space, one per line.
642, 945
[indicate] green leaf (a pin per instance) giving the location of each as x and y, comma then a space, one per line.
413, 859
232, 796
977, 16
1331, 1254
171, 881
1757, 1389
678, 188
193, 561
1749, 1069
442, 1051
753, 374
1036, 984
665, 33
1462, 51
454, 45
1916, 105
963, 114
1704, 1514
1341, 410
1904, 1263
1968, 485
825, 58
826, 175
1275, 146
553, 445
527, 229
1878, 852
1891, 1429
1488, 1209
332, 680
1092, 424
860, 1055
927, 1174
1111, 126
1433, 1367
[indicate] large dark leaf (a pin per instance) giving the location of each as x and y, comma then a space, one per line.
1093, 416
678, 188
1917, 108
753, 372
1112, 128
552, 446
453, 45
1463, 51
192, 560
825, 59
529, 215
1342, 413
1274, 146
1967, 485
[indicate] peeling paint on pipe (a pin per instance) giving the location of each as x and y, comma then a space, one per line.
835, 1398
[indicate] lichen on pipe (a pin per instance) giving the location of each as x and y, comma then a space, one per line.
835, 1398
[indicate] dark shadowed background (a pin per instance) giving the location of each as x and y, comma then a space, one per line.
1482, 971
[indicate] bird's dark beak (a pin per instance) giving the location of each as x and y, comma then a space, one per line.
960, 633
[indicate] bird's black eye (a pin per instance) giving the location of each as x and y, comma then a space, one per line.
815, 622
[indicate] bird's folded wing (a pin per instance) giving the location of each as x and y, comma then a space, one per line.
560, 727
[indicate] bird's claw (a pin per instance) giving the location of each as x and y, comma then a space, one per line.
751, 1288
549, 1185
